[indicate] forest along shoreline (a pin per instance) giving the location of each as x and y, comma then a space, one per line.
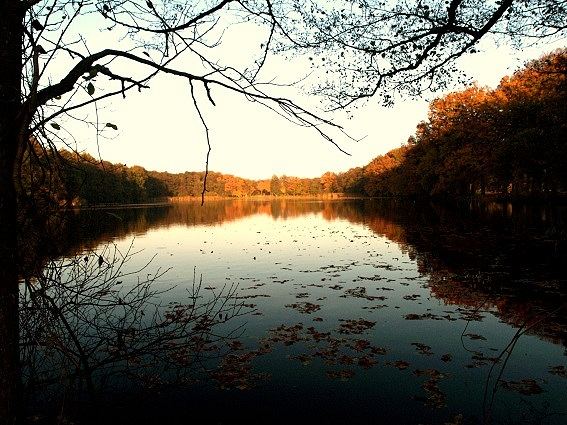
505, 143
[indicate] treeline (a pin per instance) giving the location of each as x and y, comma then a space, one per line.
510, 142
226, 185
69, 178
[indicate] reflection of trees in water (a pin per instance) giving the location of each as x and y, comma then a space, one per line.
87, 229
486, 257
515, 239
89, 328
509, 260
512, 255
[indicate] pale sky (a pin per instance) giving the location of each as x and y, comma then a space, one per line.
160, 130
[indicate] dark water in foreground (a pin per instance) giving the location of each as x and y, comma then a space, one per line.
306, 311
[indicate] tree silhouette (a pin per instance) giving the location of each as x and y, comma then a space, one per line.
90, 322
381, 48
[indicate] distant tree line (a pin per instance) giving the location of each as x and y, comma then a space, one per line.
80, 179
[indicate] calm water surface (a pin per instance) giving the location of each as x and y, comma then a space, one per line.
356, 311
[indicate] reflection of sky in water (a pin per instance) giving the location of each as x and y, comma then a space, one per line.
309, 259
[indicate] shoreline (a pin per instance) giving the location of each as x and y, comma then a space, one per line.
559, 200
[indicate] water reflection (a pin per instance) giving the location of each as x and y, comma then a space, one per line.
493, 256
362, 297
93, 331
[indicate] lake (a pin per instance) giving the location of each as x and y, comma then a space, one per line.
326, 311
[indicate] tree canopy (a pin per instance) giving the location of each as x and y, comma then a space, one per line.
384, 48
509, 141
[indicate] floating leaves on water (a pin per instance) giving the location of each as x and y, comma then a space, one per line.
183, 314
387, 266
434, 397
360, 292
346, 360
525, 386
366, 362
375, 307
256, 286
287, 334
235, 372
475, 337
413, 316
359, 345
422, 348
558, 370
378, 350
303, 358
265, 347
432, 373
247, 297
317, 336
343, 375
428, 316
304, 307
479, 359
354, 326
201, 344
399, 364
372, 278
333, 269
329, 354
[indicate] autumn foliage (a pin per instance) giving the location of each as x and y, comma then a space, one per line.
510, 141
80, 179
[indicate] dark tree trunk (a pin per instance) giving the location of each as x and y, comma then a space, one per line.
11, 31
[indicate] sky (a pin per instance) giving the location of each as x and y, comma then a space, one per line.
160, 130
